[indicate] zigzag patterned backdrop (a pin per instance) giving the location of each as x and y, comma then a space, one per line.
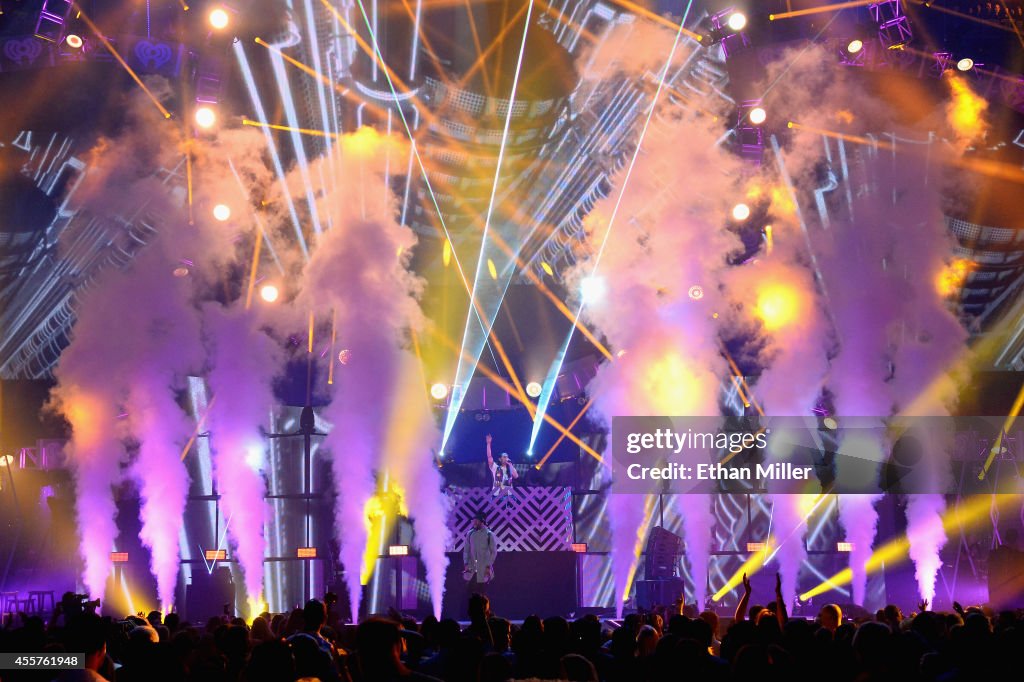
536, 520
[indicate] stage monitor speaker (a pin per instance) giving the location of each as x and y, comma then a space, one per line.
651, 593
662, 554
209, 595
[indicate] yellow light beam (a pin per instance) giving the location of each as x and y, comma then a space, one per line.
135, 77
334, 338
199, 426
275, 126
752, 565
820, 9
1014, 412
561, 437
644, 12
995, 169
897, 549
309, 346
257, 243
638, 548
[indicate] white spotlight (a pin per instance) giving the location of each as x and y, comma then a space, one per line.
254, 457
533, 389
222, 212
758, 116
219, 19
593, 289
855, 46
737, 21
740, 212
438, 391
74, 41
269, 293
965, 64
205, 117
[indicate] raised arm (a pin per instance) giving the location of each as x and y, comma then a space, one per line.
490, 457
741, 608
780, 603
512, 468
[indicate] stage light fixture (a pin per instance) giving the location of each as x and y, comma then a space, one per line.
398, 550
737, 21
756, 546
533, 389
844, 546
119, 557
205, 117
439, 391
181, 271
740, 212
216, 555
7, 460
344, 356
579, 547
305, 552
222, 212
219, 19
758, 116
270, 293
830, 423
855, 46
74, 41
965, 64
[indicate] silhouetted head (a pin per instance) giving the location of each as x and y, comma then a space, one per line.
830, 617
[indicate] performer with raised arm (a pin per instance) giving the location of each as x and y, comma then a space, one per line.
503, 473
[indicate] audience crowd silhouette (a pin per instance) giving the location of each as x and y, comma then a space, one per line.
672, 643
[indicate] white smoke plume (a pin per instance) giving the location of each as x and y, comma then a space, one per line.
243, 363
358, 277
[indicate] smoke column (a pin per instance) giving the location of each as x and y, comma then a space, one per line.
661, 266
411, 464
359, 278
243, 364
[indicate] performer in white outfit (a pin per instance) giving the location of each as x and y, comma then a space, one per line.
502, 473
478, 555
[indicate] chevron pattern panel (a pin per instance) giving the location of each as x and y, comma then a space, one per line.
538, 519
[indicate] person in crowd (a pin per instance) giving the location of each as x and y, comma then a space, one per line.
379, 653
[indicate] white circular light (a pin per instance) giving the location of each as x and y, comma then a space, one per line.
181, 271
269, 293
696, 292
344, 356
533, 389
593, 289
737, 20
222, 212
740, 212
219, 19
74, 41
965, 64
438, 391
855, 46
758, 115
205, 117
830, 423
